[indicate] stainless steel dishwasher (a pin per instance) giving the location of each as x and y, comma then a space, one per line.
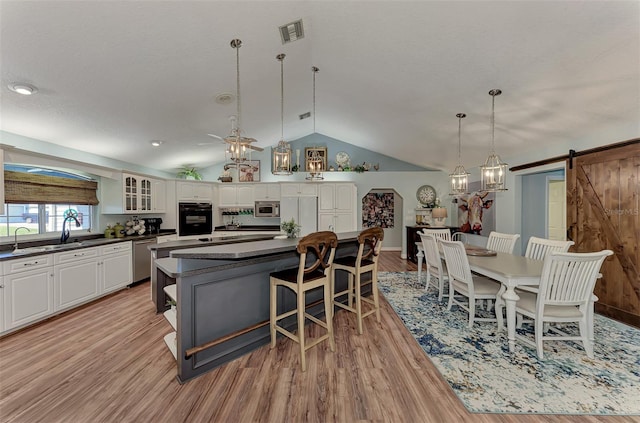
142, 259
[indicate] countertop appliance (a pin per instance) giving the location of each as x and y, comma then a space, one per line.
195, 219
153, 224
304, 210
267, 209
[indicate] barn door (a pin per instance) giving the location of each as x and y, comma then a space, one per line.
603, 197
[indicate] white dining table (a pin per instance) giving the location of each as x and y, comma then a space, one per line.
511, 271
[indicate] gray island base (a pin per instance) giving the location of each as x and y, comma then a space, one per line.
223, 298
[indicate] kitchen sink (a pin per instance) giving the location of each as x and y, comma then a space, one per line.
45, 248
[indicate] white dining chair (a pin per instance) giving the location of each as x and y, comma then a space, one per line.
461, 280
502, 243
439, 234
539, 248
436, 271
564, 296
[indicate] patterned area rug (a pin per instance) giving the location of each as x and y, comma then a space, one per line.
488, 379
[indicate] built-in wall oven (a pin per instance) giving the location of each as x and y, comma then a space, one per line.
195, 219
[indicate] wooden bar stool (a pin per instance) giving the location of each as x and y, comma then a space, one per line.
305, 277
370, 244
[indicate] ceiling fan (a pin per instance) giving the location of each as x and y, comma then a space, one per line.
232, 139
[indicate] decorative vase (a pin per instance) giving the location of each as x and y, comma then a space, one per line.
119, 230
109, 232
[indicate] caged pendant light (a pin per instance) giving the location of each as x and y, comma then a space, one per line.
281, 154
494, 171
239, 147
460, 177
315, 163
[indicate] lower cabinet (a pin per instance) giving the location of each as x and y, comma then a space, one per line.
336, 222
34, 288
28, 296
116, 270
75, 283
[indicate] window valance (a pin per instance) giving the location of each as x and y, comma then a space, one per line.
20, 187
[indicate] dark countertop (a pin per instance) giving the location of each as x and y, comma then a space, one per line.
275, 228
208, 241
246, 250
74, 243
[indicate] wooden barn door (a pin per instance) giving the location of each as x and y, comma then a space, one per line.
603, 197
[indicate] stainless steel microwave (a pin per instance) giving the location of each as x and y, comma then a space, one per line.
267, 209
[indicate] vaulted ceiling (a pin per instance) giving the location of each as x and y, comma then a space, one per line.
112, 76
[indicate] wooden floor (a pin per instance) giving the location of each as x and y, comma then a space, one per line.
108, 363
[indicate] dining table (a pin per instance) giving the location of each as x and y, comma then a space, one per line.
512, 272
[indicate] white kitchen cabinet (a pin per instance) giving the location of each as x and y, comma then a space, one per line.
337, 207
338, 197
28, 290
2, 304
132, 194
159, 196
76, 277
194, 191
115, 266
166, 238
266, 192
298, 189
336, 222
234, 195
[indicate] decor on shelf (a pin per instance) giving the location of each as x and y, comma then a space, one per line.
249, 171
315, 158
281, 154
226, 175
426, 196
291, 228
359, 168
460, 177
494, 170
239, 147
190, 173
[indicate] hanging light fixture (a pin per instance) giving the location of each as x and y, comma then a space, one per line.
494, 170
240, 147
460, 177
281, 154
315, 163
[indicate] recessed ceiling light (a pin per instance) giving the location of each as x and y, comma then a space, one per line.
156, 143
23, 88
225, 98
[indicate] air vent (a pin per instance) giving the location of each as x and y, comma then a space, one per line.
305, 115
225, 98
291, 32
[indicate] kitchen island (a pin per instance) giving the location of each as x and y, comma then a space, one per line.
222, 296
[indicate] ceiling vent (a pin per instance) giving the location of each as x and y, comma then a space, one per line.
305, 115
291, 32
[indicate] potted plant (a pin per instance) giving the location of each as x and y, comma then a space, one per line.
190, 173
291, 228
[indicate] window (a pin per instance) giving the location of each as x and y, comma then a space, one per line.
43, 200
44, 218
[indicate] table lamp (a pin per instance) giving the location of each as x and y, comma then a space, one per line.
439, 216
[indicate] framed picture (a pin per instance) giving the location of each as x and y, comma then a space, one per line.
250, 171
322, 152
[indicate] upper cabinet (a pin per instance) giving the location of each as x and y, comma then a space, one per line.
236, 195
298, 189
337, 197
269, 192
194, 191
133, 194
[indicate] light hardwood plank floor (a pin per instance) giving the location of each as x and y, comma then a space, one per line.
107, 362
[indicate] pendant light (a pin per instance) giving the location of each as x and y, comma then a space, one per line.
494, 170
281, 154
460, 177
315, 163
239, 147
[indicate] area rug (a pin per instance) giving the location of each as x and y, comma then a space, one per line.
489, 379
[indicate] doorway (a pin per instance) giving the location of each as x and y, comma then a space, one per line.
556, 208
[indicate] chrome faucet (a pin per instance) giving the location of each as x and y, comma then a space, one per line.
15, 236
